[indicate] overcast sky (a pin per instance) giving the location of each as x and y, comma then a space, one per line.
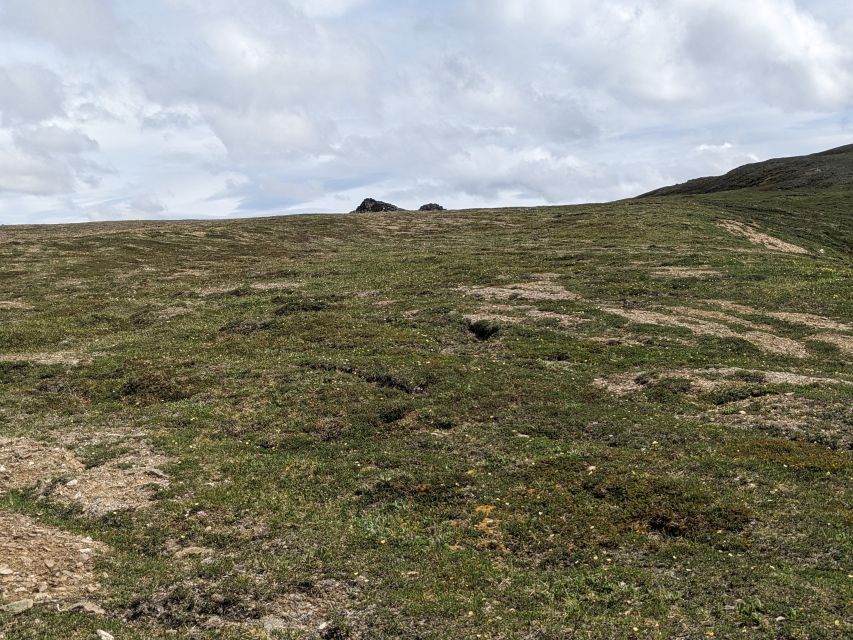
117, 109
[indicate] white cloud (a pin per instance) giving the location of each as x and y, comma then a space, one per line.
29, 93
113, 108
63, 23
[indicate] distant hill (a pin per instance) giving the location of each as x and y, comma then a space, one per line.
833, 168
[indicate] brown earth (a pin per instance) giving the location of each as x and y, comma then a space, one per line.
126, 481
44, 563
705, 380
757, 237
763, 340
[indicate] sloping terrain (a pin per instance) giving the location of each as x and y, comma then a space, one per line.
612, 421
828, 169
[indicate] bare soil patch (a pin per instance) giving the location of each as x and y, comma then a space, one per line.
26, 463
44, 563
711, 379
542, 287
757, 237
275, 286
810, 320
500, 313
310, 612
14, 305
215, 291
56, 358
490, 317
735, 307
173, 312
563, 319
763, 340
125, 481
719, 316
823, 422
686, 272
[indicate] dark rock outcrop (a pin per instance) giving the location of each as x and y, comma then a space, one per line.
375, 206
432, 206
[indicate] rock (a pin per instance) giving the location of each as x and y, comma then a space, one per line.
88, 607
18, 606
375, 206
6, 571
431, 206
103, 635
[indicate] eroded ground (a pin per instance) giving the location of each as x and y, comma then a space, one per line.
629, 420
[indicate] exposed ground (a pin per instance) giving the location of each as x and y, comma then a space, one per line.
615, 421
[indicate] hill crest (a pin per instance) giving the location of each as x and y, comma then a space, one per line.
826, 169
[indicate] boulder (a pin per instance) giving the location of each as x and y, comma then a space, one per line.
432, 206
375, 206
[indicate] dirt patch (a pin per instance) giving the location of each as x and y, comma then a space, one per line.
810, 320
473, 318
26, 463
311, 611
845, 343
44, 563
711, 379
764, 341
735, 307
173, 312
822, 422
542, 287
216, 291
616, 341
563, 319
499, 313
274, 286
719, 316
59, 357
686, 272
123, 481
13, 305
757, 237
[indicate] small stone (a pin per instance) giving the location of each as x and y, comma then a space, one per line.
88, 607
103, 635
18, 606
6, 571
72, 483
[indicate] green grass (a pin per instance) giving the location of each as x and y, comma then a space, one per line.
453, 479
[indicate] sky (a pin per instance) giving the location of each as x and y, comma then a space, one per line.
158, 109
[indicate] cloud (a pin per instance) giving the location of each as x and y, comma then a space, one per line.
29, 93
53, 141
210, 107
68, 24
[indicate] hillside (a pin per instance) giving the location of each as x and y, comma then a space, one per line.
629, 420
828, 169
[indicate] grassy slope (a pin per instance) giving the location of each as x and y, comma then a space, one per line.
458, 487
825, 170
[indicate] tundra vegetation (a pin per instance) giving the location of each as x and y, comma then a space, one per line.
629, 420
